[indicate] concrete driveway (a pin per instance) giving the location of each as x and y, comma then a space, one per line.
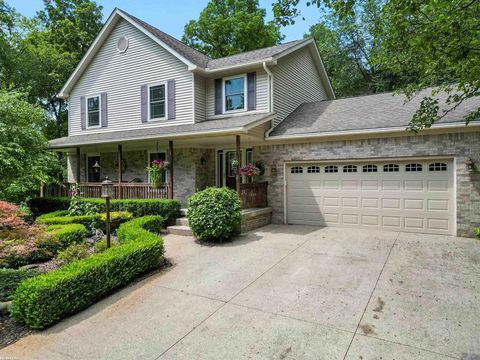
287, 292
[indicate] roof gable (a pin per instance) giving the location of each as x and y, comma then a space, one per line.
195, 60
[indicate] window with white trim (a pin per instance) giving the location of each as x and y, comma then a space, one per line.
313, 169
296, 170
234, 93
331, 169
350, 168
370, 168
437, 167
157, 104
93, 112
413, 167
391, 168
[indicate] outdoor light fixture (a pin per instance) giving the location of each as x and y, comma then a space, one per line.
203, 162
470, 165
107, 193
273, 170
96, 167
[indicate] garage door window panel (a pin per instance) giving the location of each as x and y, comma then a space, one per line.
296, 170
391, 168
413, 167
313, 169
350, 169
370, 168
330, 169
437, 167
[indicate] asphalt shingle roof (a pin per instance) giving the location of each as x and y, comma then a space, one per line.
363, 113
206, 62
158, 132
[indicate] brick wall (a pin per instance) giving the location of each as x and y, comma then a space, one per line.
460, 145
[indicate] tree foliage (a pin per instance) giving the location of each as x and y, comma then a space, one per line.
418, 44
348, 46
42, 52
433, 44
228, 27
24, 159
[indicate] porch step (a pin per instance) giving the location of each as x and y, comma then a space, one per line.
182, 221
183, 230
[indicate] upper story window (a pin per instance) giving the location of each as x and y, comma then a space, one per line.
93, 112
235, 89
157, 104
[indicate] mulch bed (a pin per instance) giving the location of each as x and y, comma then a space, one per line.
11, 331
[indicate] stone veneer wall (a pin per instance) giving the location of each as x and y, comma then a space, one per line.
189, 173
460, 145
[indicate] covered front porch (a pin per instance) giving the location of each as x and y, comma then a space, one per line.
194, 164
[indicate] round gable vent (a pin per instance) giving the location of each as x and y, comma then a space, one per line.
122, 44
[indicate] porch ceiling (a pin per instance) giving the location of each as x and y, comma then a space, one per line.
209, 133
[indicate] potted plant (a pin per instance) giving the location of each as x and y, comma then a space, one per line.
156, 171
250, 171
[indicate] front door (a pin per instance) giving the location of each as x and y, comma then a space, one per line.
231, 169
93, 165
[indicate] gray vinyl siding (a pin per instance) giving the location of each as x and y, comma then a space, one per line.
200, 98
295, 81
261, 89
121, 75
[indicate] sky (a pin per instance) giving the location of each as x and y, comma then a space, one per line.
171, 15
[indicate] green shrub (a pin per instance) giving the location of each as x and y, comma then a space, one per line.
101, 246
40, 206
73, 252
43, 248
214, 214
79, 207
96, 221
477, 232
169, 209
9, 280
68, 234
46, 299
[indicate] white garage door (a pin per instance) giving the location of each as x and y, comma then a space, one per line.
415, 196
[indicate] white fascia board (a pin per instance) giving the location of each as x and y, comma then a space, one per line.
368, 132
111, 22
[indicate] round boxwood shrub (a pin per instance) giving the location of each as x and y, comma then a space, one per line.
214, 214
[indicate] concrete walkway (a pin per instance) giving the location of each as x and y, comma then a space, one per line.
287, 292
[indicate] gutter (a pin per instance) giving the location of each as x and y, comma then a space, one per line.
270, 86
364, 132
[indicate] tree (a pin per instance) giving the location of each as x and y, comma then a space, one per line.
45, 51
348, 44
25, 161
422, 44
228, 27
433, 44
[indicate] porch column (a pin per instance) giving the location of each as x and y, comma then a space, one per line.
120, 175
170, 162
78, 166
239, 163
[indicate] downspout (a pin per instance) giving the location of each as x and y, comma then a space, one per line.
270, 92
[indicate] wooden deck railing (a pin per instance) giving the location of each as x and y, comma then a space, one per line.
94, 190
253, 195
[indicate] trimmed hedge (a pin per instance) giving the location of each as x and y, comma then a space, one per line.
167, 208
477, 232
44, 248
9, 280
46, 299
214, 213
96, 221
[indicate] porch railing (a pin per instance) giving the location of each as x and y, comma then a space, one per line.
121, 191
253, 195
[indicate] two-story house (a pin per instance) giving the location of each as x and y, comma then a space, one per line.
139, 95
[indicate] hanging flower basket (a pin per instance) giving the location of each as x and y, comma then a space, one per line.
157, 171
250, 171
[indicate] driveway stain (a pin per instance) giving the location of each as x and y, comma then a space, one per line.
380, 305
367, 329
285, 353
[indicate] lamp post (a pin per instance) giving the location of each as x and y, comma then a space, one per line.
107, 193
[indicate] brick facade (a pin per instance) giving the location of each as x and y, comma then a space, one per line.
459, 145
